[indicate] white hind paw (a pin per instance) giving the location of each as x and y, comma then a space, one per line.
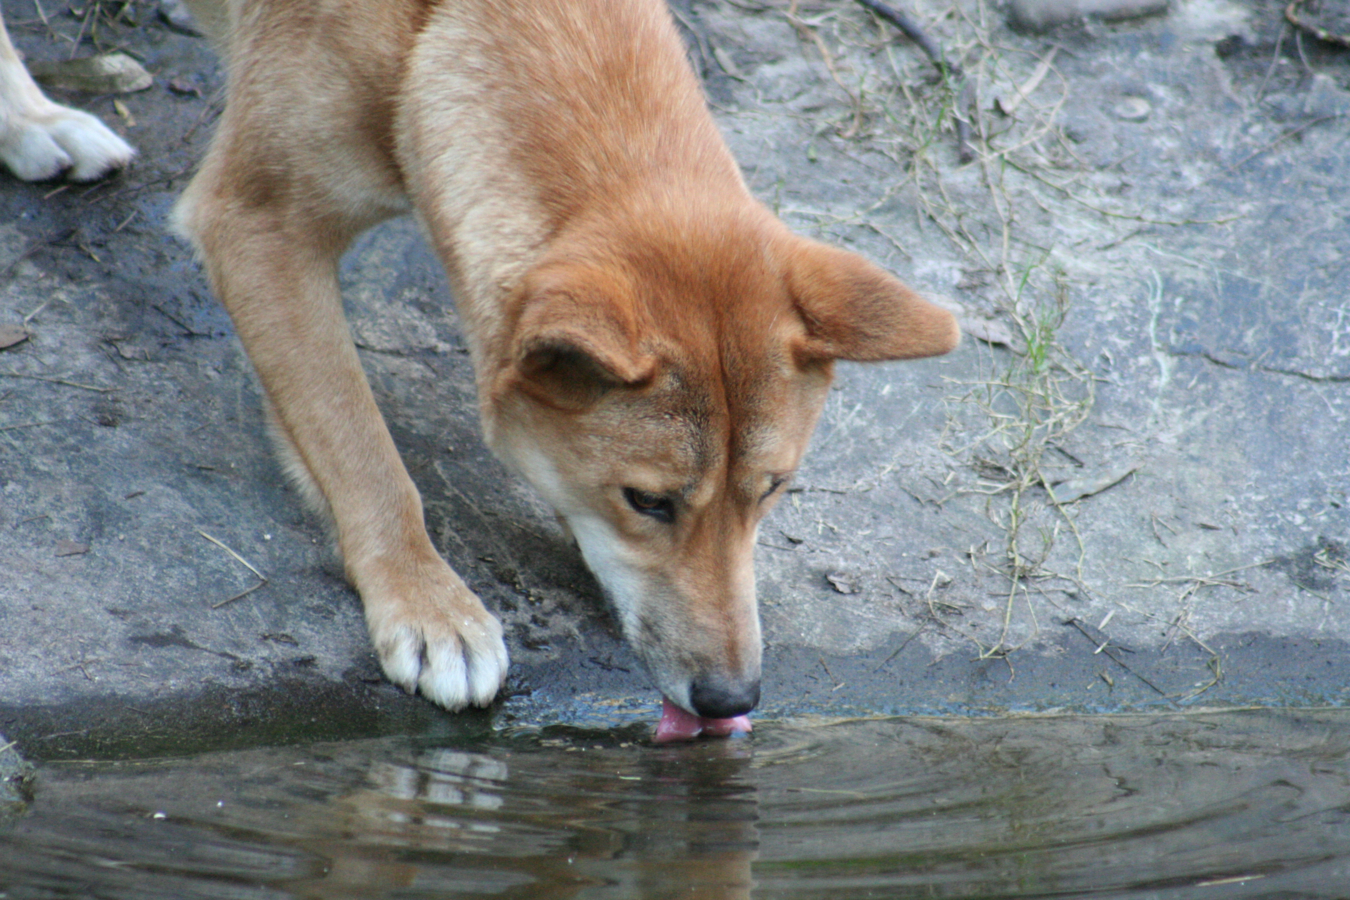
36, 146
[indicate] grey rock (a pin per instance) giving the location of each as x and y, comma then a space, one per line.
175, 14
1219, 349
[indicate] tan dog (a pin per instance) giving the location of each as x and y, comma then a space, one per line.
40, 139
652, 346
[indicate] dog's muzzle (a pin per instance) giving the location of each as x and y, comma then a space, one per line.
722, 698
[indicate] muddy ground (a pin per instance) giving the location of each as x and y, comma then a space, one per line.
1126, 490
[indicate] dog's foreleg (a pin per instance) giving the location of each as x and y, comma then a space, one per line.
275, 270
40, 139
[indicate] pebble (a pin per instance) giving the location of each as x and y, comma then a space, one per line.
175, 14
1132, 109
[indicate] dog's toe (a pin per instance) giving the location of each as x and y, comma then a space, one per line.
451, 652
449, 669
32, 155
466, 670
41, 146
400, 651
486, 661
93, 148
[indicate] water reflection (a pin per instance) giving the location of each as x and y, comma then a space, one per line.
574, 818
1221, 806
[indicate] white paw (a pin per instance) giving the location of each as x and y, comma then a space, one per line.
449, 647
36, 146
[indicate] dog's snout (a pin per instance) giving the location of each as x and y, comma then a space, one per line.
719, 698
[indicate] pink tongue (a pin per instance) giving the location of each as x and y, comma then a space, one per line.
678, 725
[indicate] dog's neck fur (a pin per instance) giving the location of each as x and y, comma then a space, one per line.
505, 154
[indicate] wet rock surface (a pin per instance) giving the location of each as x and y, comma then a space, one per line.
1132, 495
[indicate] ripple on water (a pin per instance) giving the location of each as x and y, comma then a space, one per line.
1215, 806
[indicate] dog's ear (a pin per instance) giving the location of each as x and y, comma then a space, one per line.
576, 339
855, 310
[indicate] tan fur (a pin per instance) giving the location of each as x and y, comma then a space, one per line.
637, 321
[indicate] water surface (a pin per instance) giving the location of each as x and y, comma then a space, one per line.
1231, 805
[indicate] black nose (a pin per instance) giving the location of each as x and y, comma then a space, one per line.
719, 698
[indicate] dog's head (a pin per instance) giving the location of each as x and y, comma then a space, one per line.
660, 389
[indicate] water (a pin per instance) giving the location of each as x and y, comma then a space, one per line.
1234, 805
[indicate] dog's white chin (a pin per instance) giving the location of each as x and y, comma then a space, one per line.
602, 551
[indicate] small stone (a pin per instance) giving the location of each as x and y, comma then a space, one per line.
1230, 46
175, 14
1132, 109
1325, 98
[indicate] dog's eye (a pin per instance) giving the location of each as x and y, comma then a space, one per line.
777, 482
660, 508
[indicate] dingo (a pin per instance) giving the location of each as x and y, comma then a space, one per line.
652, 347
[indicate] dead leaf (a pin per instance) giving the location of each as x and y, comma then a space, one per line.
1078, 488
991, 331
11, 335
130, 351
726, 62
977, 325
843, 584
125, 113
111, 73
184, 88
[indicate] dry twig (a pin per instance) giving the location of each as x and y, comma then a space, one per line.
262, 579
946, 69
